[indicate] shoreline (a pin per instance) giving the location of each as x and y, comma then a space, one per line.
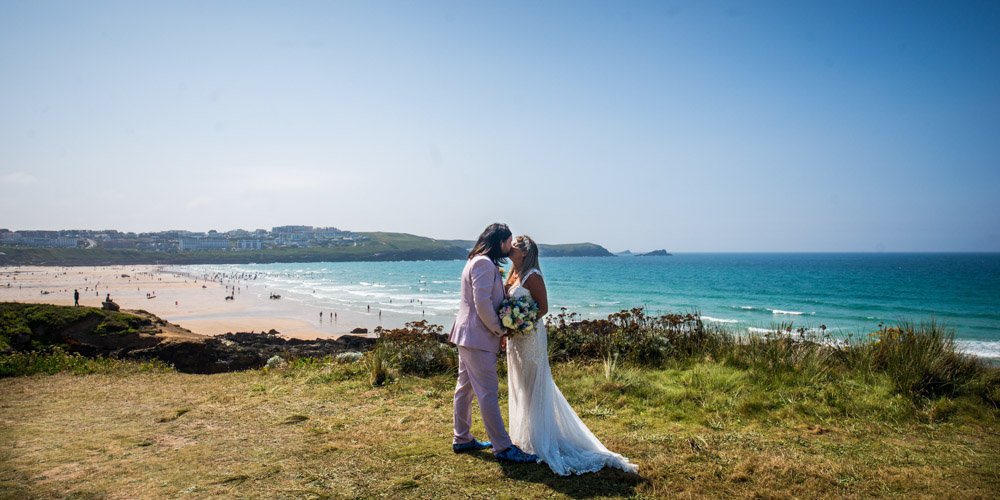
199, 305
190, 302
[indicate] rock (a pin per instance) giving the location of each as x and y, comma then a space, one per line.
275, 362
209, 356
349, 357
110, 306
273, 345
359, 330
655, 253
21, 341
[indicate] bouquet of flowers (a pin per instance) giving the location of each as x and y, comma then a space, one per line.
518, 315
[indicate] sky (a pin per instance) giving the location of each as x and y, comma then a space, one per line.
693, 126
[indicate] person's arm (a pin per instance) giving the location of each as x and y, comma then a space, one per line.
483, 279
536, 285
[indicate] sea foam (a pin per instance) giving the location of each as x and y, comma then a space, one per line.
719, 320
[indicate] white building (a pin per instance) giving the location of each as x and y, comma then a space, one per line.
203, 244
249, 245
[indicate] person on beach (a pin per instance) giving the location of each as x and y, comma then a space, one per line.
76, 298
477, 332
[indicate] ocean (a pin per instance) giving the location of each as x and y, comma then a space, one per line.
849, 294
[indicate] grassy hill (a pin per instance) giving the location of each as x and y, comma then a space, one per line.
378, 247
319, 430
772, 419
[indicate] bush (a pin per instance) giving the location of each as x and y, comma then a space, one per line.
376, 362
631, 335
787, 350
418, 349
922, 361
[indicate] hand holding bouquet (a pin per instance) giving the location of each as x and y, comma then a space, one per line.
518, 315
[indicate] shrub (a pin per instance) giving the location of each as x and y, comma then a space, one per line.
418, 349
787, 350
632, 335
922, 360
376, 363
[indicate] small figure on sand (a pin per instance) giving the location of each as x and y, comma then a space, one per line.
76, 298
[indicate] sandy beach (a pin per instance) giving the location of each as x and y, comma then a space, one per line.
189, 301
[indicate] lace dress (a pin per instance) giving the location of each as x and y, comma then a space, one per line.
541, 420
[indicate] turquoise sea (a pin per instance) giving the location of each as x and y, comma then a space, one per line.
848, 293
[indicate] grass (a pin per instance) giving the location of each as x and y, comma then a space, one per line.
41, 325
703, 413
317, 428
56, 360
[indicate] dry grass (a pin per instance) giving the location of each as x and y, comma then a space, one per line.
321, 430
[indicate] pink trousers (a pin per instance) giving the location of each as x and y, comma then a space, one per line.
477, 375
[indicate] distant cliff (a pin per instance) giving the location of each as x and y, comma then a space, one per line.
573, 250
561, 250
655, 253
375, 247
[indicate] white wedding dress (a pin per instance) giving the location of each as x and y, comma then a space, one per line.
541, 420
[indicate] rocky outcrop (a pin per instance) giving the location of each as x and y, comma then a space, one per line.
244, 351
209, 356
269, 345
139, 335
655, 253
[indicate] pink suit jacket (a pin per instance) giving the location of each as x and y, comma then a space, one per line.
478, 323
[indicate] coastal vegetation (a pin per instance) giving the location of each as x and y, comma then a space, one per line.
38, 326
376, 246
703, 411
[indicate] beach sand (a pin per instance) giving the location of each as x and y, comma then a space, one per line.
188, 301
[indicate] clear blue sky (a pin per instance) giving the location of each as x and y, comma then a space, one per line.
691, 126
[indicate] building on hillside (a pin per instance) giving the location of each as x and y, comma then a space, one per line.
249, 245
187, 244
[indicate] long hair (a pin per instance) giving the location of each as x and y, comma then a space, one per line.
530, 249
490, 243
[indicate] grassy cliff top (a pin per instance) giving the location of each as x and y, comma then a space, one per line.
709, 418
318, 429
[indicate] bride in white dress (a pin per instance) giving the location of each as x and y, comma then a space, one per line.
541, 420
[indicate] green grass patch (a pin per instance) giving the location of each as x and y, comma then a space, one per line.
318, 428
56, 360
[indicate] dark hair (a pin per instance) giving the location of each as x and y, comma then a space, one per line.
490, 242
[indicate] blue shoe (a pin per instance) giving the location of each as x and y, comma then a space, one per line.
470, 446
514, 454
